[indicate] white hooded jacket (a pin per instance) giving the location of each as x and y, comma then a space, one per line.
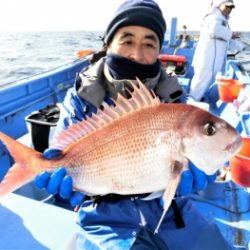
213, 42
211, 51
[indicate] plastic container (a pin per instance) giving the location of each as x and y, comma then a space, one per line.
84, 52
229, 89
40, 122
240, 164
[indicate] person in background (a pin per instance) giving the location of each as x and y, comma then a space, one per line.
215, 39
132, 43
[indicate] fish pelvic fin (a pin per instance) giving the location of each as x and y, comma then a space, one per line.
141, 97
21, 172
168, 195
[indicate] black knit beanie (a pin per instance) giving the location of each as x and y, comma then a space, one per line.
144, 13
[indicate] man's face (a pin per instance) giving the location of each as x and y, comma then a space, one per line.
136, 43
226, 10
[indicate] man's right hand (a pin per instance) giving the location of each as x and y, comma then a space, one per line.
58, 181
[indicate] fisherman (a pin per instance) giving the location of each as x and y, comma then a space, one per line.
210, 54
132, 43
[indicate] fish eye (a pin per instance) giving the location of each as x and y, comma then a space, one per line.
209, 128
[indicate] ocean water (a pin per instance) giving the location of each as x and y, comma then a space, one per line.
26, 54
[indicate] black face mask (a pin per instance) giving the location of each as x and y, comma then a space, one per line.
122, 68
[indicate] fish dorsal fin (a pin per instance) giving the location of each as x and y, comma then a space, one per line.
141, 97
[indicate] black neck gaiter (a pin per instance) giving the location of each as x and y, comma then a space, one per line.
122, 68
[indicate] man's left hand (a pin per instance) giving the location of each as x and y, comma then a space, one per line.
194, 180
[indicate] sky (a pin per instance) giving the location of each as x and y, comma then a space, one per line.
66, 15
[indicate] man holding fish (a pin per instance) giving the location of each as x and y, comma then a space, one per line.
132, 43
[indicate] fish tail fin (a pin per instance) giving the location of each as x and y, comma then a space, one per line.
167, 199
22, 171
15, 178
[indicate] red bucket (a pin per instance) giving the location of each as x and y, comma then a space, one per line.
229, 89
240, 164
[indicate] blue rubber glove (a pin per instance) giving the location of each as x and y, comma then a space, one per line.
194, 180
58, 181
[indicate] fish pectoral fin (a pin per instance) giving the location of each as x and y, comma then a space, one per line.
15, 178
167, 197
176, 168
185, 163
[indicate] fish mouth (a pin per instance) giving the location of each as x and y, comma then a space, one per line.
235, 146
